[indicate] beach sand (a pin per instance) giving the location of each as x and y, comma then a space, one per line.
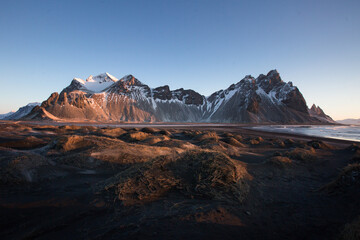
174, 181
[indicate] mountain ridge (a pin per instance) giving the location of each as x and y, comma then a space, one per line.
21, 112
350, 121
265, 99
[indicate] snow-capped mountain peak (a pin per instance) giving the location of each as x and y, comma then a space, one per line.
33, 104
101, 78
97, 83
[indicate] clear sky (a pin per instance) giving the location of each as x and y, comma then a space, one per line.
204, 45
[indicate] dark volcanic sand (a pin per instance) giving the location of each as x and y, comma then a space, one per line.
56, 183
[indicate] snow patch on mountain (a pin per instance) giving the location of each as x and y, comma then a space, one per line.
98, 83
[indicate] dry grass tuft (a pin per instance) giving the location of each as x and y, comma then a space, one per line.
319, 145
227, 135
16, 168
111, 132
174, 143
155, 139
135, 136
72, 142
70, 127
301, 154
141, 183
88, 129
356, 158
211, 175
255, 141
278, 143
123, 153
25, 143
348, 177
75, 142
280, 161
195, 174
207, 137
191, 133
232, 141
165, 132
289, 142
351, 230
149, 130
353, 148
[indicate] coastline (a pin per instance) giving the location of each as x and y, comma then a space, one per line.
241, 128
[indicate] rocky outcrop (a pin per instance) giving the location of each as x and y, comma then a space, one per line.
318, 113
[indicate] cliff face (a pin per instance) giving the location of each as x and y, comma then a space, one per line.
105, 98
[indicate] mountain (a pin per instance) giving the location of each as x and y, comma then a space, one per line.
2, 116
265, 99
350, 121
317, 112
22, 111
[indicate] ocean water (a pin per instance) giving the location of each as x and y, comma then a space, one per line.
338, 132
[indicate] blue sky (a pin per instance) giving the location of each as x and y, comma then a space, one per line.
205, 45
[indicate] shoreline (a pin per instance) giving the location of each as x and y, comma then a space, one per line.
242, 128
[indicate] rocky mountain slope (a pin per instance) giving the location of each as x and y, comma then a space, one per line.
265, 99
317, 112
21, 112
4, 115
